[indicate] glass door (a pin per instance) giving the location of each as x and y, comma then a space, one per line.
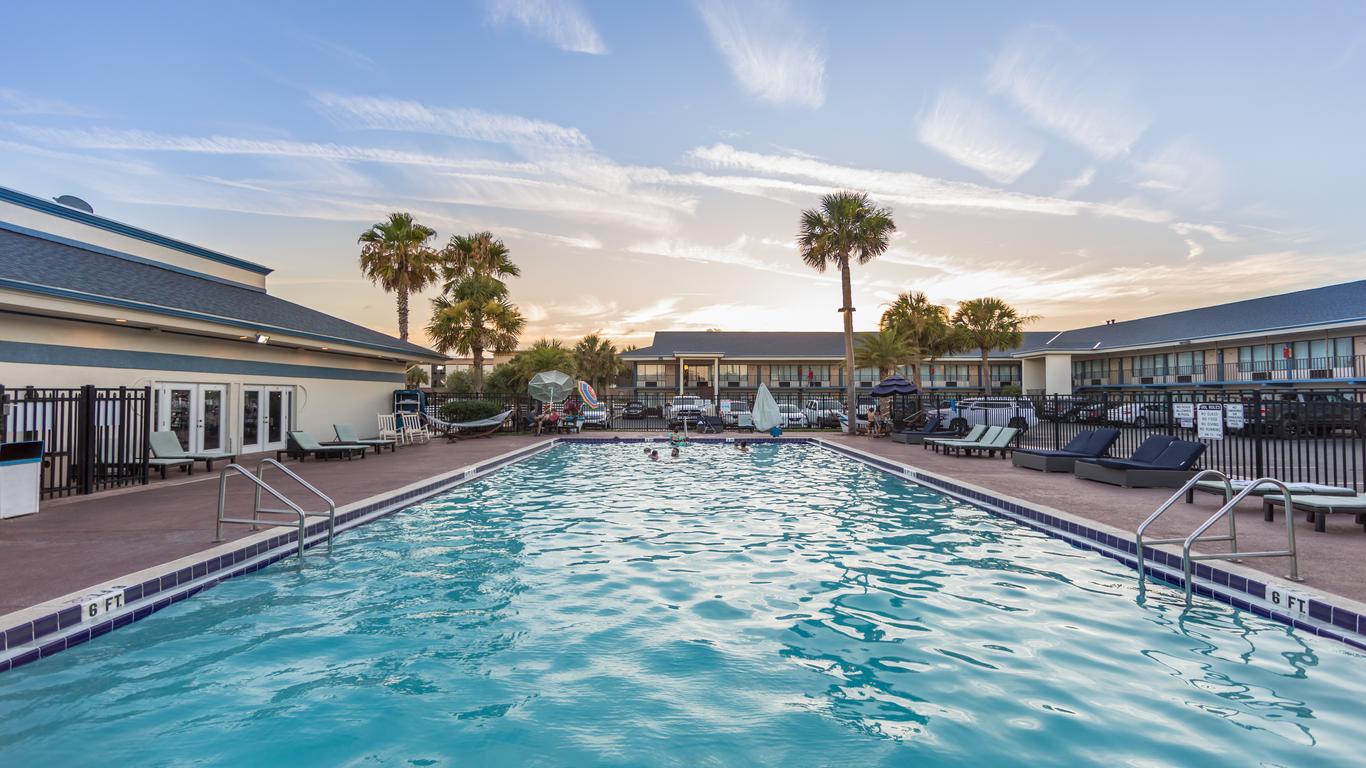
267, 415
195, 413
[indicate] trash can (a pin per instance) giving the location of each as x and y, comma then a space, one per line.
21, 467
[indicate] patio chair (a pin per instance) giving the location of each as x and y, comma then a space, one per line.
744, 422
1170, 468
346, 435
464, 430
164, 464
414, 430
300, 445
972, 436
166, 446
1317, 507
389, 428
989, 444
712, 425
1090, 444
1217, 488
932, 428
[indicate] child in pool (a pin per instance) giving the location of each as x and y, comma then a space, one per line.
674, 452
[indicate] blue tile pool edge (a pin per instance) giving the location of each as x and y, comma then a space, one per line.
1323, 616
63, 628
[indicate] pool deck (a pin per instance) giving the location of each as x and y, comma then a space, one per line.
77, 542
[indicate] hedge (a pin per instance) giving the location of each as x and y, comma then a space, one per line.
470, 410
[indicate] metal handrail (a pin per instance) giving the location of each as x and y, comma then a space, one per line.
1187, 563
331, 505
255, 521
1190, 484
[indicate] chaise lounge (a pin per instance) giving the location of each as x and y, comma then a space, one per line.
931, 428
1216, 488
346, 435
996, 439
1317, 507
973, 436
167, 453
300, 445
1091, 444
1161, 461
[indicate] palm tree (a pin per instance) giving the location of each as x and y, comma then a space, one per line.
884, 350
597, 361
416, 376
394, 254
475, 317
990, 323
925, 327
846, 227
544, 355
476, 255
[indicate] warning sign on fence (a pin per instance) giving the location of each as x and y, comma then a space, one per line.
1233, 415
1209, 422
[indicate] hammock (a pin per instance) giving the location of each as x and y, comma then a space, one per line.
452, 429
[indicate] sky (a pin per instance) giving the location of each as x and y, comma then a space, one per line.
647, 163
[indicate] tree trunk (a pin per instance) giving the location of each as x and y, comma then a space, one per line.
986, 372
916, 362
850, 384
402, 314
477, 378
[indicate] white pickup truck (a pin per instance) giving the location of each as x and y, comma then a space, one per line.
686, 408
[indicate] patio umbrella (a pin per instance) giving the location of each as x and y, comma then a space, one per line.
551, 386
590, 398
894, 385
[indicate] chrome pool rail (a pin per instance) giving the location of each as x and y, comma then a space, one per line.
1166, 505
261, 485
1187, 559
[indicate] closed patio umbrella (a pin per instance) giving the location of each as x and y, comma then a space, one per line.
551, 386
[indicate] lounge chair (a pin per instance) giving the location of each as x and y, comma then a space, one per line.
1160, 462
464, 430
389, 428
932, 428
166, 446
164, 464
990, 443
1317, 507
1090, 444
346, 435
1217, 488
300, 445
972, 436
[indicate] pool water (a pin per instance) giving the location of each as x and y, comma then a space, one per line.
786, 606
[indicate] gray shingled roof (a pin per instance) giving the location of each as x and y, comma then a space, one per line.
793, 345
42, 266
1315, 306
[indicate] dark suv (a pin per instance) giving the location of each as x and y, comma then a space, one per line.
1292, 414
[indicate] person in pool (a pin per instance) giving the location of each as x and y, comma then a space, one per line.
654, 455
674, 452
742, 446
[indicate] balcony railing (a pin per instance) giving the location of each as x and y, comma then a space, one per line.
1298, 370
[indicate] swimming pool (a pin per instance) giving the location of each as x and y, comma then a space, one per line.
590, 607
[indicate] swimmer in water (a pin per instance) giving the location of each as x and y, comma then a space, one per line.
743, 446
654, 455
674, 452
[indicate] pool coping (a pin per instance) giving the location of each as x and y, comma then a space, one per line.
1325, 615
55, 625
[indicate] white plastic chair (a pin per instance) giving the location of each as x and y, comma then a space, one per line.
388, 428
413, 427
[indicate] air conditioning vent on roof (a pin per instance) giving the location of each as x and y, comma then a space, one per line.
71, 201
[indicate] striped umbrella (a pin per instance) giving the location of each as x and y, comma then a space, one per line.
590, 398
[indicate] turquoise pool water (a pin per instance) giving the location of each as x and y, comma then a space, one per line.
787, 606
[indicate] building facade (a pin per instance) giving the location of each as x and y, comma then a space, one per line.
86, 300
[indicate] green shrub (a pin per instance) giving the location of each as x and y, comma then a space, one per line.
470, 410
1011, 390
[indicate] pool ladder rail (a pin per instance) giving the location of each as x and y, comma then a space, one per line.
260, 484
1231, 500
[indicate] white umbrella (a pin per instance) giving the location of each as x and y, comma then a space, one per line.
551, 386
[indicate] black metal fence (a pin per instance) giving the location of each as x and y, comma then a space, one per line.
93, 438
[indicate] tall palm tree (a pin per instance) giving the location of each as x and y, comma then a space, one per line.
543, 355
394, 253
990, 323
925, 327
597, 361
846, 228
884, 350
475, 317
477, 255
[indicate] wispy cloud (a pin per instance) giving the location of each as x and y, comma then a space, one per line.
768, 49
461, 122
561, 23
1077, 183
21, 104
735, 253
1063, 87
1212, 230
1184, 172
972, 134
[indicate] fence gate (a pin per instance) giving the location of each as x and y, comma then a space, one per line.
93, 438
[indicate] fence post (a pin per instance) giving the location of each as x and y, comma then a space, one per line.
1057, 420
85, 440
1258, 434
1171, 423
146, 433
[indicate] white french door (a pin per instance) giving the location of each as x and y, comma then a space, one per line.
196, 413
267, 415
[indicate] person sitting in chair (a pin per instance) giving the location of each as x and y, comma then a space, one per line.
547, 419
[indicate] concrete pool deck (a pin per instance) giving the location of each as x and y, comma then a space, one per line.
76, 542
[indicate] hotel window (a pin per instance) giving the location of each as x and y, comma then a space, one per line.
955, 372
731, 372
1190, 363
651, 375
866, 375
1150, 365
696, 374
818, 376
1005, 374
791, 374
1088, 370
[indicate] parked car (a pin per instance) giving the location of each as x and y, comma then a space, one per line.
595, 417
1140, 415
792, 416
822, 412
1017, 412
1293, 414
732, 416
633, 410
686, 409
1070, 410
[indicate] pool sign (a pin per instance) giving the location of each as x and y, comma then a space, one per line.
1184, 413
1286, 600
1233, 414
1209, 422
96, 606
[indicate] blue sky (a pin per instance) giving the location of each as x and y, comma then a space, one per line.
647, 161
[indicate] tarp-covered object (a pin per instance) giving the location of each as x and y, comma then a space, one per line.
765, 413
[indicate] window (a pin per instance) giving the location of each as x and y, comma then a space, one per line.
1149, 365
651, 374
1190, 363
866, 375
696, 374
1005, 373
955, 372
732, 372
1086, 370
819, 375
787, 373
1296, 355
